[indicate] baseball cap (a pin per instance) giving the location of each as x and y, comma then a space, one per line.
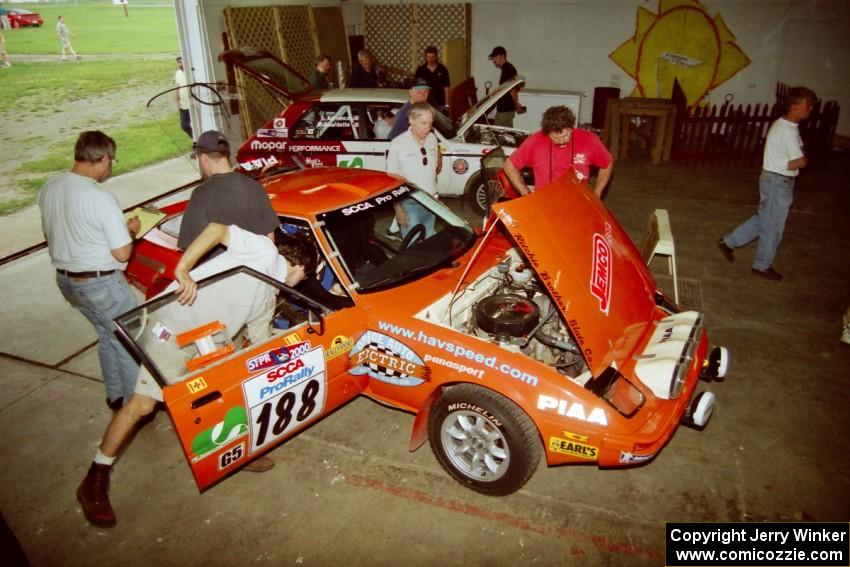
498, 50
420, 84
211, 141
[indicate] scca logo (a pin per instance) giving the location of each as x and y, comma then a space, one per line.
284, 369
357, 208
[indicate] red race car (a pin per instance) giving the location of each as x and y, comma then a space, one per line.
509, 344
18, 18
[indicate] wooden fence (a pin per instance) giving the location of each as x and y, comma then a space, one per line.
734, 136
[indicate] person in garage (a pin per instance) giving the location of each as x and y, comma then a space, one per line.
237, 301
558, 147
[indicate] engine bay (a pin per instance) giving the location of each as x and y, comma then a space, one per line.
495, 136
508, 306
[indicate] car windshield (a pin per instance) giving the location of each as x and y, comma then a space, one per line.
378, 253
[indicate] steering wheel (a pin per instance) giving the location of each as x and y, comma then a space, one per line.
416, 233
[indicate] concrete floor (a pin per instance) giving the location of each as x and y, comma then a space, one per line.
347, 491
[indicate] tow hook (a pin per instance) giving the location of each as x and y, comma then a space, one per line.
715, 366
699, 411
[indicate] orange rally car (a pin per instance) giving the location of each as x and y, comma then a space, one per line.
544, 334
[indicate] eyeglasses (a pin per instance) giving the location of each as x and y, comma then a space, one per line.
424, 156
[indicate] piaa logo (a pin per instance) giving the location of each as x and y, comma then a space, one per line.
600, 276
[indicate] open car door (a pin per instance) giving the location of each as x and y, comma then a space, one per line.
230, 400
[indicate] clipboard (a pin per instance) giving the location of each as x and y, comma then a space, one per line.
148, 217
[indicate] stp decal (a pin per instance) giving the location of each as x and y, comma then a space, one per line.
286, 397
276, 356
601, 276
388, 360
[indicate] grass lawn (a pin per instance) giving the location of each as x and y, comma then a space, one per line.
69, 96
47, 87
138, 145
99, 29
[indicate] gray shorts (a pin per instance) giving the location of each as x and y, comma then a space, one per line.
147, 386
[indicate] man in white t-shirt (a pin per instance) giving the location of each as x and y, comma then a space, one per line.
415, 155
235, 301
783, 160
89, 243
183, 98
65, 36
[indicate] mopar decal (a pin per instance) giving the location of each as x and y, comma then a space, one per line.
574, 410
268, 145
601, 275
388, 360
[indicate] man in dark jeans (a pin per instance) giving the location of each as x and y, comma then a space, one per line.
508, 106
437, 76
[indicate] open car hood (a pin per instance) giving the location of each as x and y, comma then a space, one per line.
485, 105
269, 70
590, 266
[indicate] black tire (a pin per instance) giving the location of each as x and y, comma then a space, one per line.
483, 440
476, 194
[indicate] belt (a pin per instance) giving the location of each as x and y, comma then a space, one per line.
779, 174
94, 274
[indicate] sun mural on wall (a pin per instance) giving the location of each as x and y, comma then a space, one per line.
680, 42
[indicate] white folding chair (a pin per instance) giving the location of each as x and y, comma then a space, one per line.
659, 240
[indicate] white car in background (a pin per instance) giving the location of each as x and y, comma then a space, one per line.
336, 127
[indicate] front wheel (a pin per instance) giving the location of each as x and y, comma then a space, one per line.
476, 194
483, 440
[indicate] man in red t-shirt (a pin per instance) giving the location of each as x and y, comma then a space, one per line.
556, 148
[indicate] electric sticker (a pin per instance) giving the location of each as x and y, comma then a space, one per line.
388, 360
285, 397
233, 426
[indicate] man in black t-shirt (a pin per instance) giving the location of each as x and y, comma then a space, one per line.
437, 76
507, 106
226, 197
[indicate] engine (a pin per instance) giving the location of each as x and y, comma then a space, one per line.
509, 307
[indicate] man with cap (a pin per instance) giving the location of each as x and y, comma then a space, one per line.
225, 197
418, 93
507, 106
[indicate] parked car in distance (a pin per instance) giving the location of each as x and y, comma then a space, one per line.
507, 344
336, 127
18, 18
